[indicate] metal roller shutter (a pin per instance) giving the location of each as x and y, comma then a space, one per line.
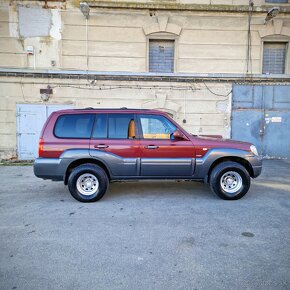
276, 1
161, 56
274, 58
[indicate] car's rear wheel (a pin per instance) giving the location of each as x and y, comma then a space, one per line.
88, 183
230, 180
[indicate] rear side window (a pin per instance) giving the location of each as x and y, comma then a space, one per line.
121, 126
74, 126
100, 128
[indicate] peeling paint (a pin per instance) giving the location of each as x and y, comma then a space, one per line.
222, 106
13, 22
45, 40
55, 30
75, 3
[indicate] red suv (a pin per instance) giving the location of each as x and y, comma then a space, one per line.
87, 148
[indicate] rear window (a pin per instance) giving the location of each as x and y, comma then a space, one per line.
74, 126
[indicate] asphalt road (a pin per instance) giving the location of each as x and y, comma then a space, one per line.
144, 235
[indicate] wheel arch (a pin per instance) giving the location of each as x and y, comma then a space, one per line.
81, 161
240, 160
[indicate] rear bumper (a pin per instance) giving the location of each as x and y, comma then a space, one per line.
48, 168
256, 162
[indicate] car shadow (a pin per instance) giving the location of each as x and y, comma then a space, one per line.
158, 188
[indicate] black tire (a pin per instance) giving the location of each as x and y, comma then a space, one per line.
86, 174
238, 178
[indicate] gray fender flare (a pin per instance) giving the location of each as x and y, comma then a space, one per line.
72, 155
204, 163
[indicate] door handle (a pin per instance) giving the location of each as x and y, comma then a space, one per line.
151, 147
101, 146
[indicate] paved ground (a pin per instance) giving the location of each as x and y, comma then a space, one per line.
144, 235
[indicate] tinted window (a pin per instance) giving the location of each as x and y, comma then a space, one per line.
100, 128
119, 125
74, 126
156, 127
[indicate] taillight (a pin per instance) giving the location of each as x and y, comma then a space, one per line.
40, 147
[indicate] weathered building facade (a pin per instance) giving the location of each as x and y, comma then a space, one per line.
216, 66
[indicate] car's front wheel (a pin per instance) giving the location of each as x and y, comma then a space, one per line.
88, 183
230, 180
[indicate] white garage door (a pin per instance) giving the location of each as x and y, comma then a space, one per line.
30, 120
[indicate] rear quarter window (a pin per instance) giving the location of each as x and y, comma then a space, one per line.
74, 126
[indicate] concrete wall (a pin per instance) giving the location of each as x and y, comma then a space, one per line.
21, 27
117, 40
204, 112
200, 2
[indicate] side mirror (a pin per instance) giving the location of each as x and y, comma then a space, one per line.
178, 135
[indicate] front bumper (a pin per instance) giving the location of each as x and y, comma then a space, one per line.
48, 168
256, 163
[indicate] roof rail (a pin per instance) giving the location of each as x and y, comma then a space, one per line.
122, 108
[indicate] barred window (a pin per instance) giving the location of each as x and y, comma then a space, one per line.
161, 56
274, 57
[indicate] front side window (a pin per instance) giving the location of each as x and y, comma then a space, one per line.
161, 56
274, 57
74, 126
156, 127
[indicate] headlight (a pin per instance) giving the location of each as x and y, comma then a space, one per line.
254, 150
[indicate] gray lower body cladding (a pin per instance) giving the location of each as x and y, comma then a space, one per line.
204, 164
256, 163
48, 168
127, 168
141, 168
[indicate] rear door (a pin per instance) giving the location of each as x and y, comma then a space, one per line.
114, 141
161, 154
71, 131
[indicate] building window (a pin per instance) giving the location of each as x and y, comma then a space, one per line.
276, 1
161, 56
274, 57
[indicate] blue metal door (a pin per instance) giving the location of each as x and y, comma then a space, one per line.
261, 115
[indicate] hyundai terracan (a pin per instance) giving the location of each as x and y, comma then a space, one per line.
88, 148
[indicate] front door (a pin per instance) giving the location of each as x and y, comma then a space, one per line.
161, 154
114, 140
